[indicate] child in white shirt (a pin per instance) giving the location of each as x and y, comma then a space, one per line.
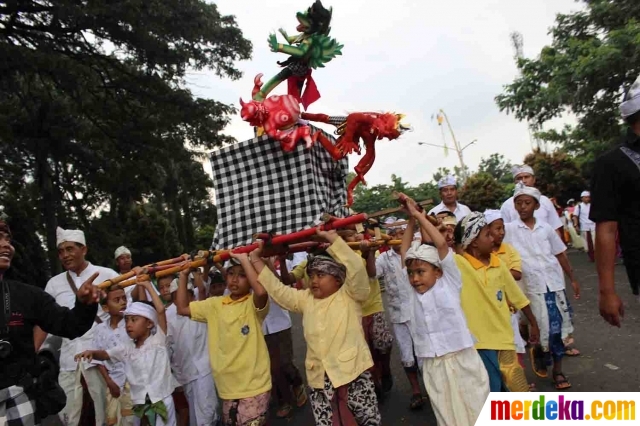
146, 360
454, 375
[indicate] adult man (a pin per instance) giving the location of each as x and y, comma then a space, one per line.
546, 213
123, 259
72, 249
584, 225
448, 188
29, 306
615, 189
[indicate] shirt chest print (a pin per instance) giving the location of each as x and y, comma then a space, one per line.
499, 295
245, 330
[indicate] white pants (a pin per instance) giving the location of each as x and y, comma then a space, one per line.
405, 342
517, 337
70, 382
171, 413
203, 401
539, 308
458, 386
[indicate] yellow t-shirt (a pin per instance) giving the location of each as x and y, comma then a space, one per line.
237, 350
300, 273
510, 257
485, 290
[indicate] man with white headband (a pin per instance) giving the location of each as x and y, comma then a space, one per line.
615, 190
546, 213
72, 250
123, 259
584, 225
448, 188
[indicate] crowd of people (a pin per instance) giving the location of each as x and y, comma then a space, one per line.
468, 293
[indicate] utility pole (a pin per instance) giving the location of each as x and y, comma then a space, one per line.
442, 116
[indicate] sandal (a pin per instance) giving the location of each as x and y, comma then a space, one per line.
284, 411
569, 351
301, 395
562, 383
416, 401
538, 364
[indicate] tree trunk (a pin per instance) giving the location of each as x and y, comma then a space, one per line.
48, 206
188, 224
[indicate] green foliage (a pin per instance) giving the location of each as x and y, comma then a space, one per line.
483, 191
593, 58
498, 167
557, 175
457, 172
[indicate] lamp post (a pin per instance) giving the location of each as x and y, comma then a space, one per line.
458, 151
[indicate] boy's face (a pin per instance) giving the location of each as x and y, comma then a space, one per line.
526, 205
497, 231
164, 287
323, 285
399, 235
237, 282
138, 326
484, 242
447, 232
422, 275
116, 303
216, 289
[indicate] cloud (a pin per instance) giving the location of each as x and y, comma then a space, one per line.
410, 57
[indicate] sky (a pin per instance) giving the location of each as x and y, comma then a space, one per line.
407, 57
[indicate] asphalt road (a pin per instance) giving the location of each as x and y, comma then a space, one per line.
609, 359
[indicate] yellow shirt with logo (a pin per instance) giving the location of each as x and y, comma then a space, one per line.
237, 350
332, 326
485, 290
509, 256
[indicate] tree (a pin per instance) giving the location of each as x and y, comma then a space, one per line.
483, 191
498, 167
457, 172
557, 175
593, 58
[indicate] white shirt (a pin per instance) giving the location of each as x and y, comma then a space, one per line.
439, 326
278, 319
188, 348
546, 213
147, 368
582, 211
58, 287
105, 338
538, 248
398, 290
461, 210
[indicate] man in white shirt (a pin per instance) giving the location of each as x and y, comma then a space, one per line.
72, 249
546, 213
584, 225
448, 187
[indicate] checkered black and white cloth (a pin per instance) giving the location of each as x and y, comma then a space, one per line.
261, 188
16, 408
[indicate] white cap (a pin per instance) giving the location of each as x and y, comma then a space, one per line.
631, 103
174, 286
447, 180
143, 310
70, 235
425, 252
122, 250
492, 215
518, 170
585, 194
522, 189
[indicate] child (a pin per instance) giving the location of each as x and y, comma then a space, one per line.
543, 260
454, 375
108, 335
337, 354
145, 359
486, 286
237, 350
217, 286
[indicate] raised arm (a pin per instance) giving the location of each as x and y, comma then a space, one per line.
288, 297
182, 296
407, 239
426, 225
199, 282
158, 305
356, 283
260, 296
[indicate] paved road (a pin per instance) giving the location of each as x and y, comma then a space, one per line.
609, 360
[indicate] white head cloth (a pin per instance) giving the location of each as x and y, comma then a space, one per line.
518, 170
122, 250
585, 194
424, 252
174, 286
631, 102
390, 221
447, 180
522, 189
142, 310
472, 224
492, 215
69, 235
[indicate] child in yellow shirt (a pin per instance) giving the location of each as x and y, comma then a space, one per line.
237, 349
337, 354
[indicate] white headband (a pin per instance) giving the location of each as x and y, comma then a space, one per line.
142, 310
518, 170
424, 252
122, 250
585, 194
174, 286
522, 189
71, 235
492, 215
447, 180
631, 103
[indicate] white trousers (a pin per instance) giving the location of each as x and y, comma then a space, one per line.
70, 382
458, 386
539, 309
405, 342
203, 401
171, 413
